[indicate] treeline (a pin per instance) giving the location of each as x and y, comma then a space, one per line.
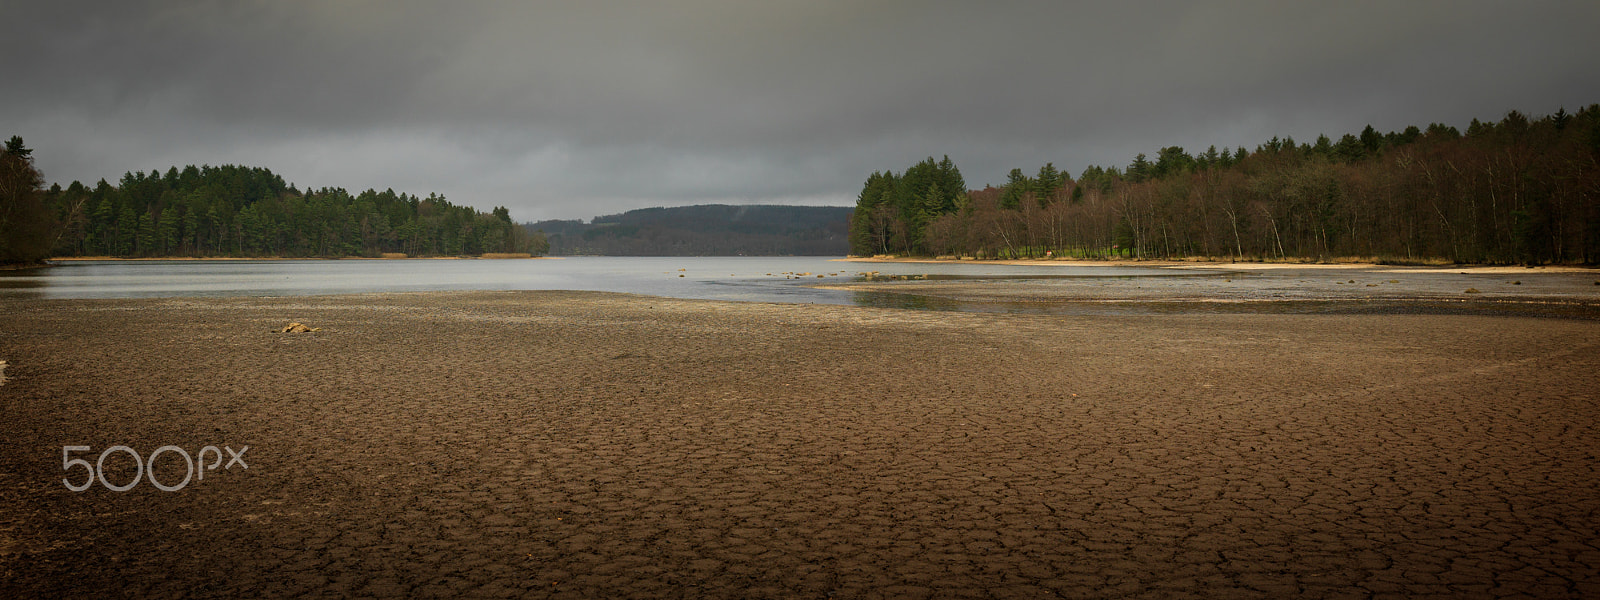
25, 223
1521, 190
705, 230
250, 212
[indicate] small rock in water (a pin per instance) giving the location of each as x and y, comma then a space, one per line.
1472, 291
298, 328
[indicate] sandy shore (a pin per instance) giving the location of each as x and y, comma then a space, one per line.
1249, 288
1231, 265
598, 445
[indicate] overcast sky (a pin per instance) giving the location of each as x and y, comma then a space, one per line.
571, 110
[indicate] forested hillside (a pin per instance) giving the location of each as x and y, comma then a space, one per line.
1521, 190
706, 230
250, 212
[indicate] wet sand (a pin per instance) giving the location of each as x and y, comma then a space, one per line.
574, 444
1201, 263
1550, 291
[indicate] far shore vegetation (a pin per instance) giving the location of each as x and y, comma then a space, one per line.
1523, 190
236, 212
705, 230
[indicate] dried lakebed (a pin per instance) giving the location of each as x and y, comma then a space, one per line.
587, 444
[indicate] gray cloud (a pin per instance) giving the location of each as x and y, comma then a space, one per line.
575, 110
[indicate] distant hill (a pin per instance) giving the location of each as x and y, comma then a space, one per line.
705, 230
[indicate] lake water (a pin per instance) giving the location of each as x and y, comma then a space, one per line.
759, 279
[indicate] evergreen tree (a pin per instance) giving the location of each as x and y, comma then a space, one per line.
1171, 160
102, 222
1439, 132
1349, 149
1410, 135
1047, 184
1561, 118
213, 227
191, 231
952, 185
868, 229
933, 200
1323, 147
1017, 186
16, 148
1139, 169
145, 235
127, 231
1371, 141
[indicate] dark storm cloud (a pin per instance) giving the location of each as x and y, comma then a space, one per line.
573, 110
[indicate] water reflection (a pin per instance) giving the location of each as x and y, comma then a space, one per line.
20, 283
1421, 306
906, 301
26, 283
1098, 273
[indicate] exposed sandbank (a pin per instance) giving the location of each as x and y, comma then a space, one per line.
1342, 287
1234, 265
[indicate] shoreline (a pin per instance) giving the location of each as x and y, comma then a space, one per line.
1267, 290
1218, 264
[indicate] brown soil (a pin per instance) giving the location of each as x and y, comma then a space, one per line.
599, 445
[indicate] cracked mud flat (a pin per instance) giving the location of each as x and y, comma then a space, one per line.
568, 444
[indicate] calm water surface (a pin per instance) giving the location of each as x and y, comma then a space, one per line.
764, 279
759, 279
